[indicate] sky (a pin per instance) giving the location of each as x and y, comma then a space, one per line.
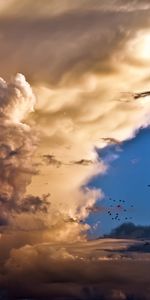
74, 132
128, 178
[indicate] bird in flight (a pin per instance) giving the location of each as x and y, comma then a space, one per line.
141, 95
118, 210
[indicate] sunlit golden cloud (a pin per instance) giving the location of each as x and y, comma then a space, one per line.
78, 68
83, 62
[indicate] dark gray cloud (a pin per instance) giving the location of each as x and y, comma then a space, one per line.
130, 230
3, 221
83, 162
51, 160
45, 271
34, 204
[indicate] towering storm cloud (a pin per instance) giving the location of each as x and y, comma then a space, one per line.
77, 58
85, 61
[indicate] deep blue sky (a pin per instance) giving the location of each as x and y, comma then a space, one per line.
126, 179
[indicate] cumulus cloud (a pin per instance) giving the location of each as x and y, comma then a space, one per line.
17, 144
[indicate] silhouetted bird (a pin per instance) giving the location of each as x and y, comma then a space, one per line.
141, 95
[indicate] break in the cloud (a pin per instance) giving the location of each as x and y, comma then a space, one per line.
79, 57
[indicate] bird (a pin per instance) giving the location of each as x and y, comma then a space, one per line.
141, 95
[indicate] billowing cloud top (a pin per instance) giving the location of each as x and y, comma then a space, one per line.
16, 99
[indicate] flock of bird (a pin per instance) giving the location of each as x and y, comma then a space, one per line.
117, 210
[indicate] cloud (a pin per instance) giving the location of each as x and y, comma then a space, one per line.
17, 144
83, 162
51, 160
79, 57
3, 221
53, 7
75, 273
72, 31
130, 230
34, 204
